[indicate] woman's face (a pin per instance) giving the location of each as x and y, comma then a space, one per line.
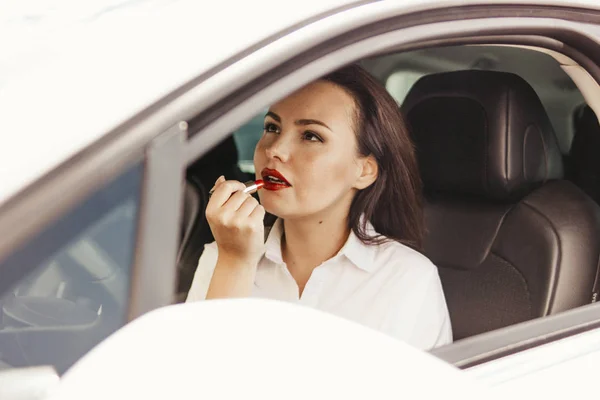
308, 154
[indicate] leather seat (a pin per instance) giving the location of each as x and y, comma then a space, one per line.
512, 239
193, 202
584, 160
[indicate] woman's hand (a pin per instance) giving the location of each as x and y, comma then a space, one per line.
236, 221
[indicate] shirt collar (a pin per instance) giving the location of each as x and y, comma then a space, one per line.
360, 254
273, 243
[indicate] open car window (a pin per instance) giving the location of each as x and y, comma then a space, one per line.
558, 97
400, 82
246, 138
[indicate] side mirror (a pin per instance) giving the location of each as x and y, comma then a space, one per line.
31, 383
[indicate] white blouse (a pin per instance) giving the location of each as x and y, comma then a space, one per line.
388, 287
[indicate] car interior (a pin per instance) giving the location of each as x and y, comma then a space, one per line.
512, 212
512, 204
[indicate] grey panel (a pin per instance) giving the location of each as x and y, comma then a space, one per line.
154, 275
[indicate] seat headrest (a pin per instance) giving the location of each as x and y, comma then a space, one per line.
481, 133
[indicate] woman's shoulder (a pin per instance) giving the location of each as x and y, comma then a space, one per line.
404, 259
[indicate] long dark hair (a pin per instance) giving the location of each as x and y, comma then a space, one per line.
393, 204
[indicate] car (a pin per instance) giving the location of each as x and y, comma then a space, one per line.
116, 117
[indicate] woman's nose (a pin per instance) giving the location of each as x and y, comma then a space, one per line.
278, 149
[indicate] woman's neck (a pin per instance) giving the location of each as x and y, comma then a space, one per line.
307, 243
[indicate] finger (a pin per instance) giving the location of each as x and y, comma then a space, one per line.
235, 202
258, 214
247, 207
253, 222
219, 180
223, 192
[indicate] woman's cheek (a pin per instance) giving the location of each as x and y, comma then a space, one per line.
259, 156
259, 147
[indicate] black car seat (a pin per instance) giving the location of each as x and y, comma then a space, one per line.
512, 239
195, 232
193, 202
584, 160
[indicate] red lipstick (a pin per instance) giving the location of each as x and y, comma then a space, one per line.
274, 180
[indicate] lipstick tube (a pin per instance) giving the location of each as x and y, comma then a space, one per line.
251, 187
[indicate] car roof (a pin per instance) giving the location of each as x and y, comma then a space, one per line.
79, 69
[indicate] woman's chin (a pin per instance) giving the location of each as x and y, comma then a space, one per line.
275, 205
272, 207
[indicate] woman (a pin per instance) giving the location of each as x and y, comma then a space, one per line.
344, 184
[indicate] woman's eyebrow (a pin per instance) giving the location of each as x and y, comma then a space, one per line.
274, 116
298, 122
311, 122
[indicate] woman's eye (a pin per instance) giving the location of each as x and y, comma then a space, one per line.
271, 128
312, 137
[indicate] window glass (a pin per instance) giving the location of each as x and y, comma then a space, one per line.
400, 82
67, 289
246, 139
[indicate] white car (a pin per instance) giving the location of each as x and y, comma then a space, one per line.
115, 118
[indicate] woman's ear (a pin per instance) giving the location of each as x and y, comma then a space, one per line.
369, 171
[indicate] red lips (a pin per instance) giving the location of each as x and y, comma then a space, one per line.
274, 180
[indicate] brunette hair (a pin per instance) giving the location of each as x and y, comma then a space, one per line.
393, 204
